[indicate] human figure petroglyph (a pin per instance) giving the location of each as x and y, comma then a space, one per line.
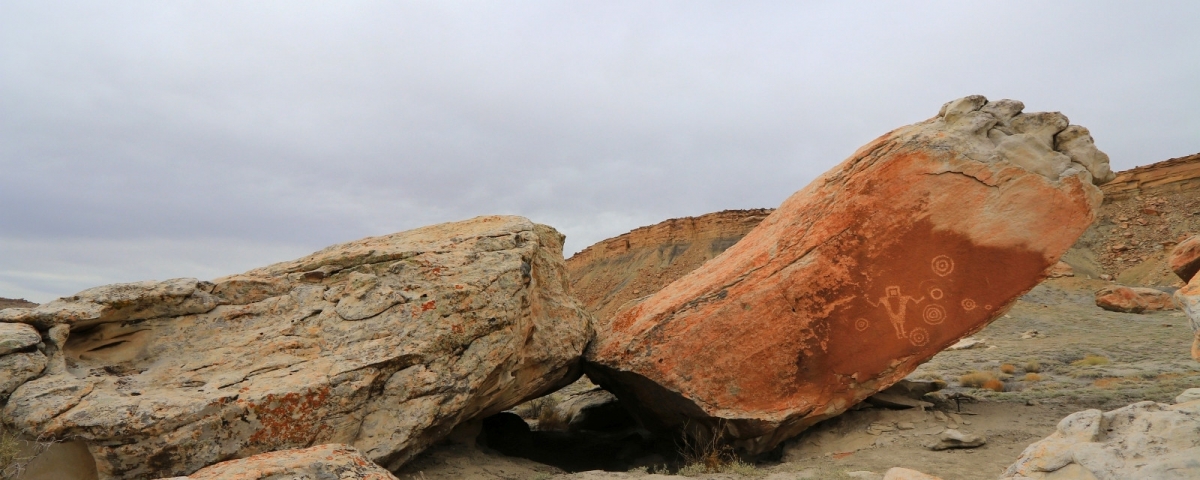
896, 306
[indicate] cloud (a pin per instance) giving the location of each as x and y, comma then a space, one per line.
264, 127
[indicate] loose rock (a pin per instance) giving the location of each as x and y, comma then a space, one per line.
1142, 440
897, 473
921, 237
952, 438
1119, 298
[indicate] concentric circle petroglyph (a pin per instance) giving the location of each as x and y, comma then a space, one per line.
861, 324
987, 307
919, 337
936, 293
942, 265
968, 304
933, 314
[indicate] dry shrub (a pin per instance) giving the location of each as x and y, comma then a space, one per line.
10, 454
551, 418
994, 385
537, 407
975, 379
1090, 361
707, 452
1032, 377
1033, 366
1008, 368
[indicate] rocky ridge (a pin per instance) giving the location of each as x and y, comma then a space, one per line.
612, 272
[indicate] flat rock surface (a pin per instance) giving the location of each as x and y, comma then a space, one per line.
921, 237
384, 344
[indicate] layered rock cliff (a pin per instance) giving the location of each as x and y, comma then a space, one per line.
606, 275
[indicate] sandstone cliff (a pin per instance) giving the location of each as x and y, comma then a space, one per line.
606, 275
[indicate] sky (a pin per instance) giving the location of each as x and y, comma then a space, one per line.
156, 140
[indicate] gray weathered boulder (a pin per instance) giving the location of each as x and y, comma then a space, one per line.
1142, 440
385, 344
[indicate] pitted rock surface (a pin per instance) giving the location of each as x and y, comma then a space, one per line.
1142, 440
920, 238
384, 344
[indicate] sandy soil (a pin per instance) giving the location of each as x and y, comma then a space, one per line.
1147, 359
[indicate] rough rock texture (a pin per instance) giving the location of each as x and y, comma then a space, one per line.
384, 343
1189, 395
1185, 258
332, 462
1174, 175
1119, 298
1188, 299
921, 237
18, 368
606, 275
17, 336
1142, 440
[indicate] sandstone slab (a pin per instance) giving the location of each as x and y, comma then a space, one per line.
920, 238
1185, 258
951, 438
900, 473
314, 463
18, 368
1142, 440
385, 344
1119, 298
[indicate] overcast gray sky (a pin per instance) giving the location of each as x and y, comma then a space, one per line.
151, 140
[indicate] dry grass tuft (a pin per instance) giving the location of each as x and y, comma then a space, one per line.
551, 419
709, 453
994, 385
1008, 368
1032, 377
1091, 361
1033, 366
975, 379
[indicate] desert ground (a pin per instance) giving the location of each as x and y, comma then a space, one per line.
1135, 357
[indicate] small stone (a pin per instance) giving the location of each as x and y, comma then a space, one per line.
939, 415
952, 438
905, 426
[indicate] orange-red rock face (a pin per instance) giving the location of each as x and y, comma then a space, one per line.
1119, 298
920, 238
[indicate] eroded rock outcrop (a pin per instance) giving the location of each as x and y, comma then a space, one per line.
921, 237
606, 275
1188, 299
1119, 298
384, 344
1142, 440
1173, 175
313, 463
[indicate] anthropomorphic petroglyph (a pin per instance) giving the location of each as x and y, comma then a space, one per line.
896, 306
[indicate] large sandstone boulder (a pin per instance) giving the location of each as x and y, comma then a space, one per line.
334, 462
1185, 258
1119, 298
920, 238
384, 344
1142, 440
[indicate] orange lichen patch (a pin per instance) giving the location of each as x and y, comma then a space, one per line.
841, 455
427, 306
289, 419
